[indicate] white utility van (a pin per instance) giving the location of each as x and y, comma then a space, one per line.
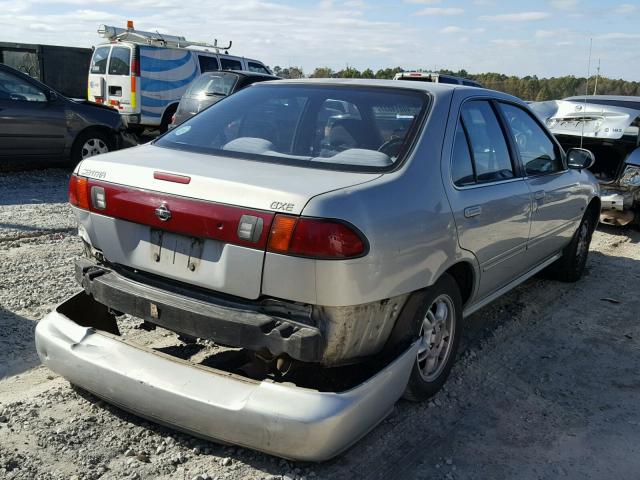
144, 74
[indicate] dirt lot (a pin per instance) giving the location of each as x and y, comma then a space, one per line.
547, 383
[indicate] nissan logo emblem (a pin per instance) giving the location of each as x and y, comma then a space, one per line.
163, 213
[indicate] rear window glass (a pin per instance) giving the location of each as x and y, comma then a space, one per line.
256, 67
99, 60
213, 84
359, 129
119, 61
230, 64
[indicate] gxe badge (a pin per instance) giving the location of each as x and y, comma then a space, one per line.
163, 213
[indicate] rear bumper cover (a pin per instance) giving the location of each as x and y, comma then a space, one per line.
278, 419
224, 321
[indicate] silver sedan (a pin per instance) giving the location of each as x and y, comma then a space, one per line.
337, 232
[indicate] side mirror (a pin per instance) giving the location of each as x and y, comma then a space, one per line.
52, 96
580, 158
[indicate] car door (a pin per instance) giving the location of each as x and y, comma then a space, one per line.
490, 200
30, 124
556, 209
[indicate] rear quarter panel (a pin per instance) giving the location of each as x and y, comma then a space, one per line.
406, 220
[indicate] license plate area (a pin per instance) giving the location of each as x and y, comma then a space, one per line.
174, 251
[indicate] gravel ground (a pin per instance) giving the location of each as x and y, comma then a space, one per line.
546, 385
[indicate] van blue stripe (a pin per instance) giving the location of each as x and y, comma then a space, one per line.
150, 64
152, 85
147, 113
153, 102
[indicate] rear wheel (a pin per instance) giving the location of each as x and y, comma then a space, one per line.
570, 267
89, 144
437, 327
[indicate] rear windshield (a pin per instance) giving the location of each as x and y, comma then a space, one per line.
220, 83
119, 61
344, 128
99, 60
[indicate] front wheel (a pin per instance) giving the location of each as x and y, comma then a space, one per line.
89, 144
437, 327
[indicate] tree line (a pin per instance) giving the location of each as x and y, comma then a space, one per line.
528, 88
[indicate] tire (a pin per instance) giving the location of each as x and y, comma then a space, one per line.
89, 144
570, 267
428, 375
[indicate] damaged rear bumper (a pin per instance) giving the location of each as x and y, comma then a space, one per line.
279, 419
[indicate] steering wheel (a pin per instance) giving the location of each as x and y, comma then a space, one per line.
391, 146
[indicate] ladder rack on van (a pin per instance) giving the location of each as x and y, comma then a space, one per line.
129, 34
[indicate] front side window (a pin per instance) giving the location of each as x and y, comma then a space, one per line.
322, 127
230, 64
539, 154
99, 61
16, 89
489, 149
208, 64
119, 63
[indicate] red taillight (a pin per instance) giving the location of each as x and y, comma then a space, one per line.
135, 67
317, 238
79, 192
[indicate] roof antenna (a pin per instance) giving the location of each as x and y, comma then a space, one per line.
586, 91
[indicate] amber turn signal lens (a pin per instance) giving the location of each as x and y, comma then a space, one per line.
79, 192
281, 233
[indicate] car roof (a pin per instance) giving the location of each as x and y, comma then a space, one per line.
244, 73
431, 87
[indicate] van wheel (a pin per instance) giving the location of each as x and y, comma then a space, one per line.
89, 144
570, 267
437, 327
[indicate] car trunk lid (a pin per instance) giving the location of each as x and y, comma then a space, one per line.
195, 218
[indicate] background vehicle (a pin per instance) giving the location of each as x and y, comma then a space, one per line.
212, 87
39, 125
435, 78
64, 69
609, 126
315, 225
143, 74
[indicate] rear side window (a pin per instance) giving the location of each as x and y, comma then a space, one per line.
538, 153
461, 163
208, 64
99, 60
344, 128
230, 64
256, 67
488, 145
119, 63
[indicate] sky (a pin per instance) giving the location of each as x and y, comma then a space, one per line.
527, 37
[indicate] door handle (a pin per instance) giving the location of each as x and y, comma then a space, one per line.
472, 211
539, 195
